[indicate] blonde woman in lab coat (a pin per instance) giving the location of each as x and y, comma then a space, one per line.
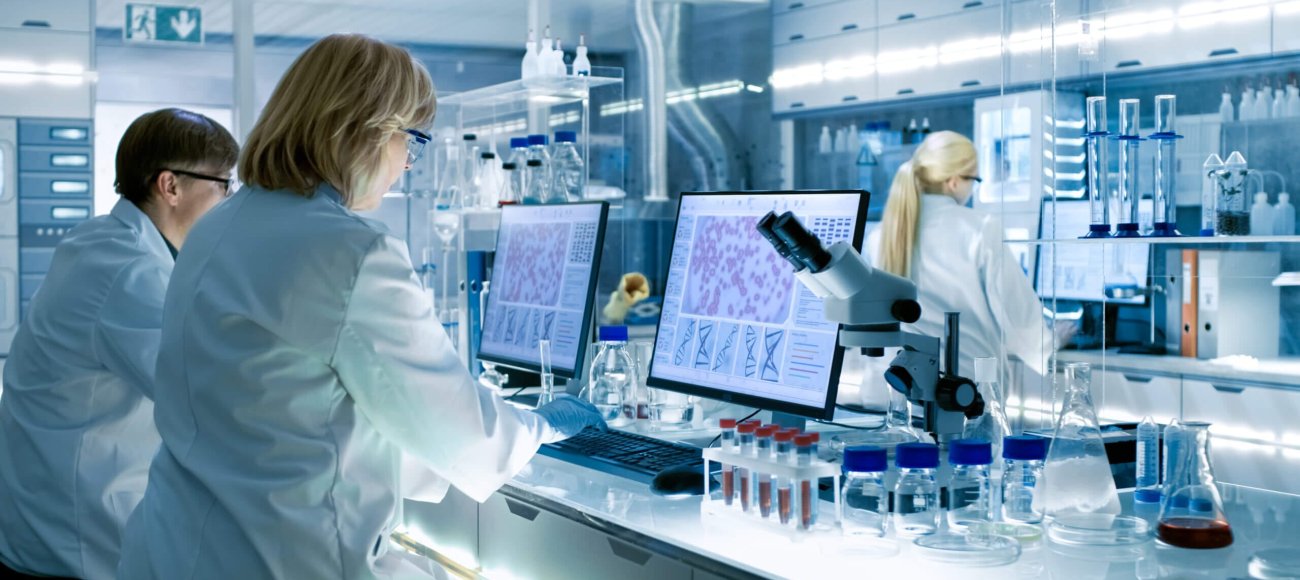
305, 384
956, 256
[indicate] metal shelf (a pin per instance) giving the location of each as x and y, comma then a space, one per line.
1183, 241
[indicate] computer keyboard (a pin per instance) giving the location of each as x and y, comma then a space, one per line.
629, 455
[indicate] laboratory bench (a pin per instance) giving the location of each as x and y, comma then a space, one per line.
559, 520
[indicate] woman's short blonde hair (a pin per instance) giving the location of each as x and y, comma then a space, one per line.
332, 115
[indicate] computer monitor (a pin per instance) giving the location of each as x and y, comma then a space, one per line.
1088, 272
736, 325
543, 285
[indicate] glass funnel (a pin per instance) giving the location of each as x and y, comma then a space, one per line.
1192, 515
1077, 484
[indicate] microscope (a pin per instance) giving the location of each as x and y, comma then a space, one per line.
870, 305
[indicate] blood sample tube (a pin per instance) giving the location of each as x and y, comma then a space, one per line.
806, 488
784, 485
728, 470
763, 481
745, 437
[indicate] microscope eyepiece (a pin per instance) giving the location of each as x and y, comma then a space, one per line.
764, 227
803, 244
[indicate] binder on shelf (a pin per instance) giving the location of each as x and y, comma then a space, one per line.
1190, 294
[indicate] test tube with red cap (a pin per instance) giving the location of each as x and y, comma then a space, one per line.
784, 485
745, 438
805, 450
763, 481
728, 440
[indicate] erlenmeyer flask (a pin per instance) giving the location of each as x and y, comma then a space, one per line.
1077, 482
449, 180
991, 425
1192, 514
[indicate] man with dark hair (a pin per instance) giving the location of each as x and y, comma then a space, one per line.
76, 416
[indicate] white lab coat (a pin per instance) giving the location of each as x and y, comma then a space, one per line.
960, 264
301, 359
76, 422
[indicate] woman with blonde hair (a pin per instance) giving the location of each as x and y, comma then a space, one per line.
956, 257
304, 386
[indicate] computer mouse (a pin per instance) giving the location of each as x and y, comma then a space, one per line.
680, 480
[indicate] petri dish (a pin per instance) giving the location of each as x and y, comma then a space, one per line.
1026, 534
1099, 530
1274, 563
968, 550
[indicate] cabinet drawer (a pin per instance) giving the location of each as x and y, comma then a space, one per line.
784, 6
61, 214
838, 81
53, 158
55, 132
923, 9
1260, 415
36, 185
943, 54
823, 21
525, 541
66, 15
1127, 396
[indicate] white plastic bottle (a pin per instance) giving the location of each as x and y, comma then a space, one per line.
558, 66
1246, 108
824, 143
1261, 216
546, 53
581, 65
1262, 108
567, 169
1279, 104
1225, 108
1284, 216
528, 69
1292, 101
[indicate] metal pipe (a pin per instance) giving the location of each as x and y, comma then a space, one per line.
650, 46
951, 334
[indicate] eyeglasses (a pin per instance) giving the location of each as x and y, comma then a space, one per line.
415, 145
226, 182
974, 178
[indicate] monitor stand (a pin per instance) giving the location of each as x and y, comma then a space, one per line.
788, 421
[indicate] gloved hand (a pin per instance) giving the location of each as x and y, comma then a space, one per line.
632, 288
570, 415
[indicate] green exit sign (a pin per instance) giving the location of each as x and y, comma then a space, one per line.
160, 23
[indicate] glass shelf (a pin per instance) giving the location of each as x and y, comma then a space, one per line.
549, 90
1182, 241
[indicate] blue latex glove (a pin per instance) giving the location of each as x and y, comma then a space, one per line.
570, 415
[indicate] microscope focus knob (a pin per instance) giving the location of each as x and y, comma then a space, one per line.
908, 311
955, 393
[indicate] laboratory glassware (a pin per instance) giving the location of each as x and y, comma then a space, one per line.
1164, 214
1022, 476
806, 490
1148, 462
745, 434
762, 483
916, 493
612, 374
487, 180
728, 442
449, 178
547, 377
534, 182
1210, 193
568, 172
1099, 199
1077, 481
509, 181
784, 445
992, 425
1192, 515
1232, 217
490, 377
970, 494
1129, 142
865, 499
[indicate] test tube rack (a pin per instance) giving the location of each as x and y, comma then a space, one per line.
714, 506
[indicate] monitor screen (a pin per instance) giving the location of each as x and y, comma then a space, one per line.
543, 285
1089, 272
736, 324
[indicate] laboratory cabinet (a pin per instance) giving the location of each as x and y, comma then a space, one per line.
845, 80
822, 21
943, 54
790, 6
1246, 422
1126, 396
63, 15
1143, 34
65, 95
923, 9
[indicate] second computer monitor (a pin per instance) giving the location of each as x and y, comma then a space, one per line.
736, 325
543, 285
1088, 272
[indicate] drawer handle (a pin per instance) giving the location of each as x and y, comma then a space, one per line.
798, 105
1228, 389
850, 98
796, 5
908, 16
525, 511
1223, 52
972, 4
1128, 64
848, 27
906, 91
631, 554
36, 24
970, 84
1137, 378
796, 37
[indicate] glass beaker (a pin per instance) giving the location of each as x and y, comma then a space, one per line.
1192, 514
1077, 481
